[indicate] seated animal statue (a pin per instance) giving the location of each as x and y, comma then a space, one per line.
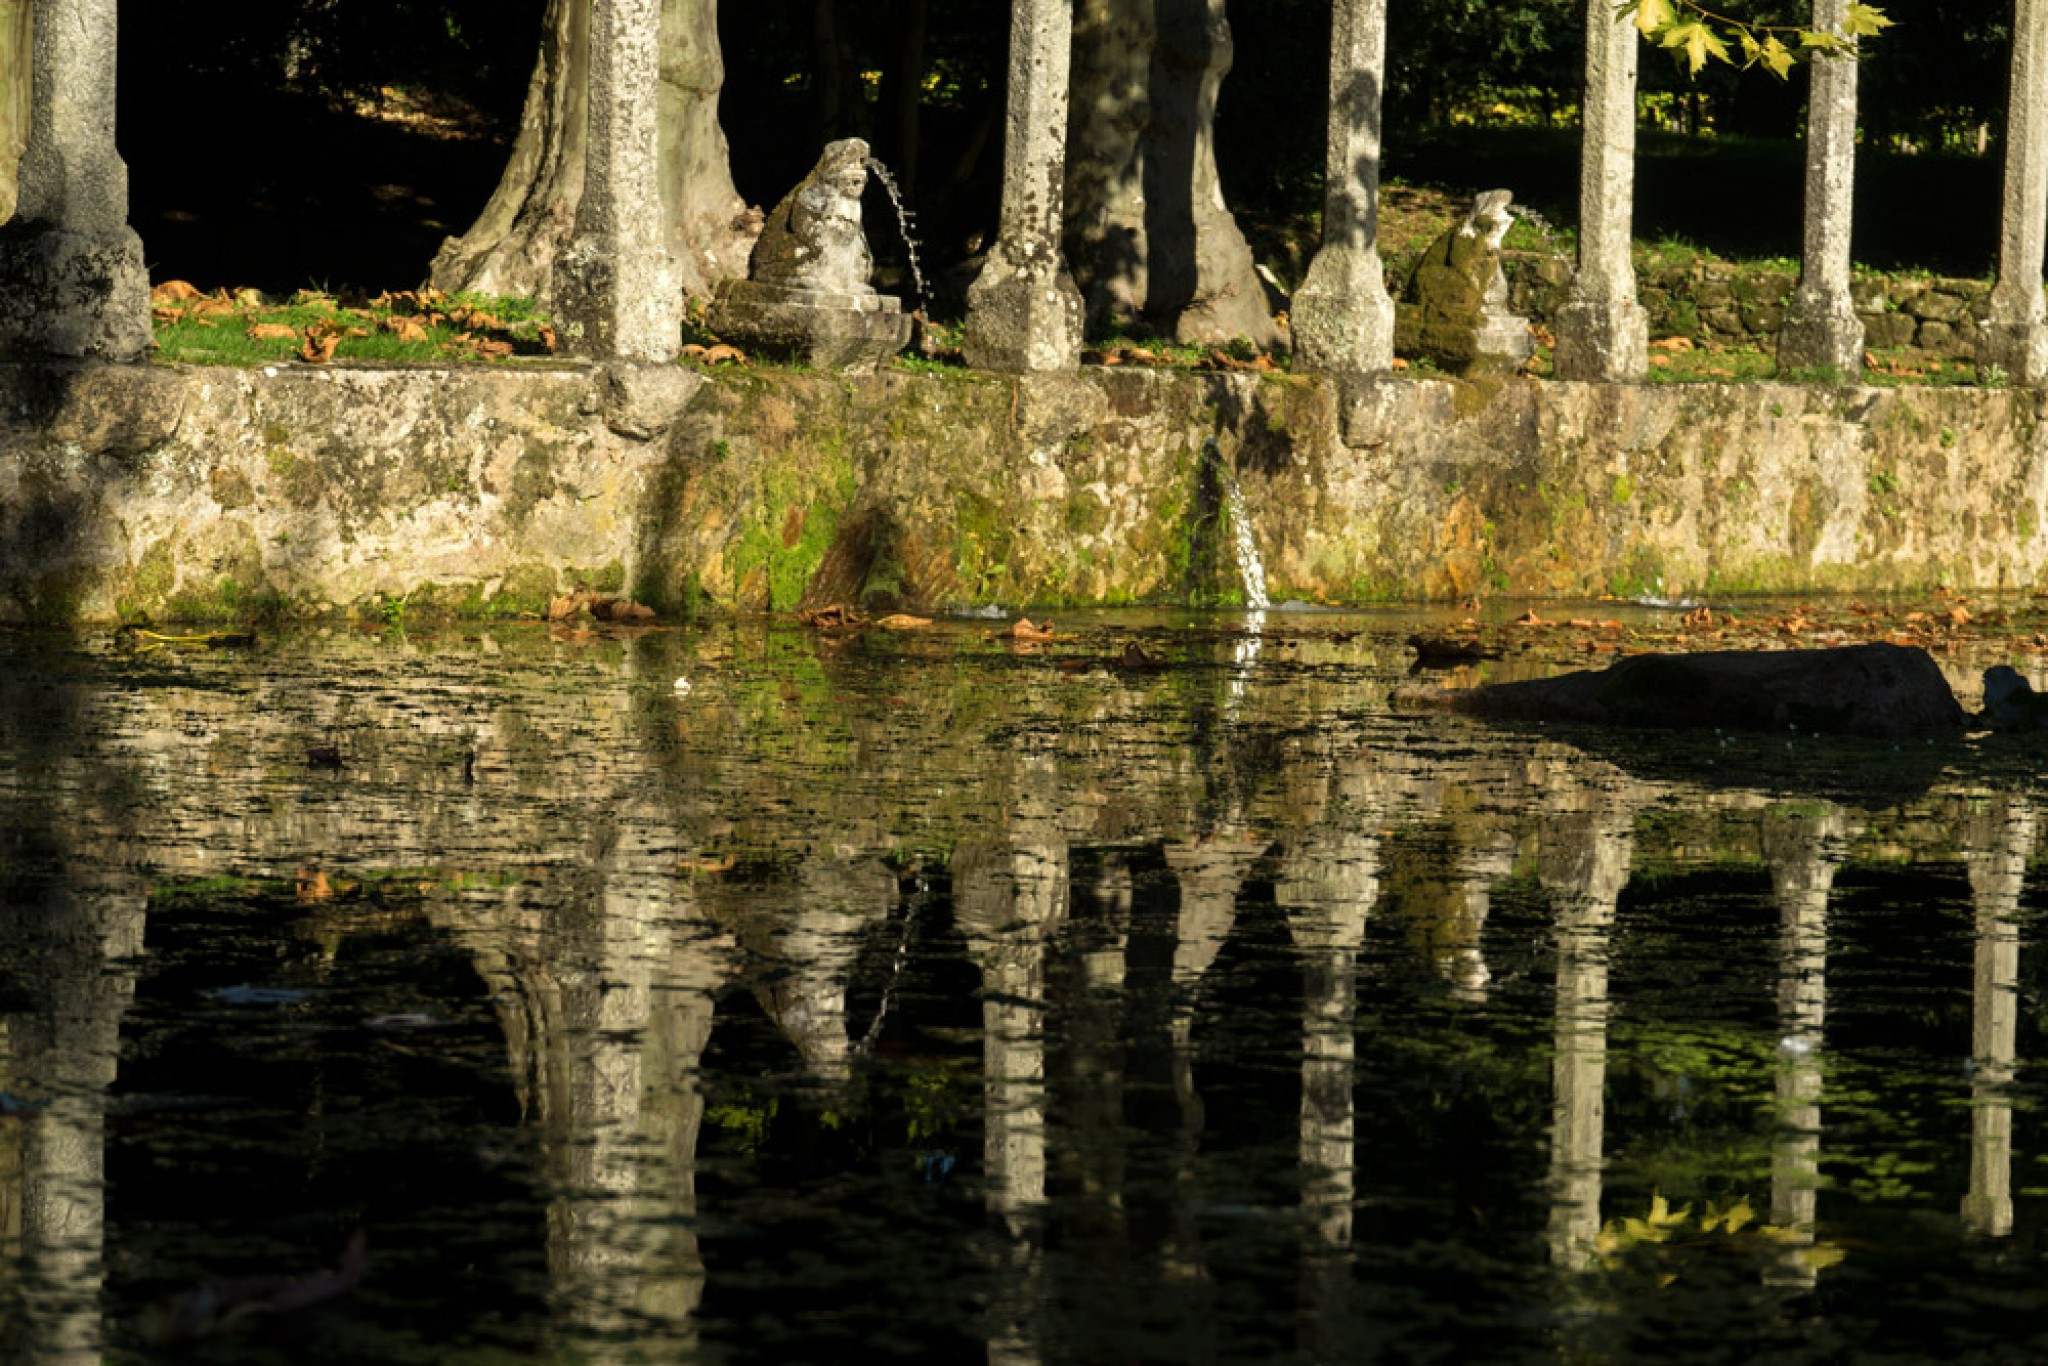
814, 239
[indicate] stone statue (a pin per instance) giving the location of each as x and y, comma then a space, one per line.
1455, 309
807, 297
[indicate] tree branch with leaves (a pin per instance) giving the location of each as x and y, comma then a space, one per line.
1696, 35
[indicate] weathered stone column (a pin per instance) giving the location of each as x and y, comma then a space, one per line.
1822, 330
2015, 336
1602, 332
72, 282
1023, 312
616, 290
1343, 317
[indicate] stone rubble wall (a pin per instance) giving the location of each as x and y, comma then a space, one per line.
176, 493
1745, 305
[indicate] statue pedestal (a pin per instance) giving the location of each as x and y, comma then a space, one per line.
825, 329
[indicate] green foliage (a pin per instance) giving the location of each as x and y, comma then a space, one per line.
1696, 35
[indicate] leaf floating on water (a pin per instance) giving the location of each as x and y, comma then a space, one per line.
900, 621
1023, 628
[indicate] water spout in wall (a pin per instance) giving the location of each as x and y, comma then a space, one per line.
1251, 569
904, 224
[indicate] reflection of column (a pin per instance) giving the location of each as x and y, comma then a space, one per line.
1803, 854
1998, 869
607, 1010
64, 1054
1583, 864
1009, 899
1327, 886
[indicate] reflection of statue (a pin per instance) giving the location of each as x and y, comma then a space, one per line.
814, 239
808, 298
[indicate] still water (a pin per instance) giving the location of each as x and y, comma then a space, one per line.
482, 996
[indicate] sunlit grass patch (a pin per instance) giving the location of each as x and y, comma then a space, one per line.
245, 327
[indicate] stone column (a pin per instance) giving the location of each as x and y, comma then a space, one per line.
1822, 330
617, 293
1023, 312
2015, 336
1804, 852
1343, 317
1998, 871
72, 281
1602, 332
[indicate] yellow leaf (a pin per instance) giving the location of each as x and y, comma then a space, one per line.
1777, 57
1641, 1231
1697, 42
1865, 21
1821, 1256
1661, 1215
1651, 16
1737, 1215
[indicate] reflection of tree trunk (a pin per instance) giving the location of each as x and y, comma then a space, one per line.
511, 249
16, 18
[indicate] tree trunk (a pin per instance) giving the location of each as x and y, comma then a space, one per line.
16, 34
1147, 233
511, 249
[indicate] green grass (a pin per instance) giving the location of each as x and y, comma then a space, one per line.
216, 330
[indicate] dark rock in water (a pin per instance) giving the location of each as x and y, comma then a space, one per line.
2010, 702
1879, 691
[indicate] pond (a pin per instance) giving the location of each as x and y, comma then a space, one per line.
1155, 992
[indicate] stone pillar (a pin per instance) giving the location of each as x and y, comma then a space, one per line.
616, 288
1804, 852
72, 281
1998, 871
1343, 317
1602, 332
1023, 312
1822, 330
2015, 336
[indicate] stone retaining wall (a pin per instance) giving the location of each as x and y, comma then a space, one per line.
1741, 305
198, 493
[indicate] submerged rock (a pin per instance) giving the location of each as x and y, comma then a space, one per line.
1879, 691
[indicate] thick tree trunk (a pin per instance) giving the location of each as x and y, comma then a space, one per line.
16, 36
512, 247
1147, 233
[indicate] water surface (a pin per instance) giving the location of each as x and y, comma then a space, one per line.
933, 994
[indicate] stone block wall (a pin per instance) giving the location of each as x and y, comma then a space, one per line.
1745, 305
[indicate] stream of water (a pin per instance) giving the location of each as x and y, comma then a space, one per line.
481, 996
